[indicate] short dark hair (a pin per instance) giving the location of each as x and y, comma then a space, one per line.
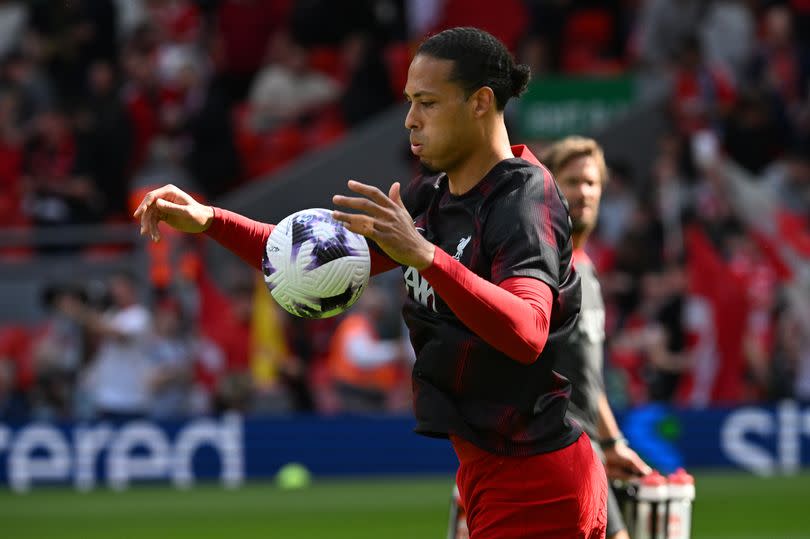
479, 59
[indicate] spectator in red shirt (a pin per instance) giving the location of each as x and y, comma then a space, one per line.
780, 64
10, 162
54, 195
244, 28
703, 94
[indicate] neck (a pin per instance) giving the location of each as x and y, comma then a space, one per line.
472, 170
578, 240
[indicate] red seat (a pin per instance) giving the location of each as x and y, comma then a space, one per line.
328, 126
398, 60
586, 41
326, 60
15, 346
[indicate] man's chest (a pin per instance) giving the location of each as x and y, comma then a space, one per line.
457, 230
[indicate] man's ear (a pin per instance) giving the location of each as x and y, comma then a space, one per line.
483, 100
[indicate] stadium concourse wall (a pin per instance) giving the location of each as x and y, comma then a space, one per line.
231, 449
24, 280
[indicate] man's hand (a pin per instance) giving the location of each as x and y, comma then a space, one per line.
176, 208
385, 221
623, 463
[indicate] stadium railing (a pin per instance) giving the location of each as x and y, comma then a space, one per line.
62, 255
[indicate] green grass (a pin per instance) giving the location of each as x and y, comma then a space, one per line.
746, 507
737, 506
344, 509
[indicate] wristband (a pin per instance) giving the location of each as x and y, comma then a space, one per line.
610, 443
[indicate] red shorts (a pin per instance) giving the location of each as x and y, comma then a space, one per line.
562, 494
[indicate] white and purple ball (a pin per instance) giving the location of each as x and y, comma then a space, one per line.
313, 266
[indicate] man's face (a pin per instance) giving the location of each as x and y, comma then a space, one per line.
581, 183
122, 291
441, 119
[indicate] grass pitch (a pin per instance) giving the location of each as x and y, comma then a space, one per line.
728, 506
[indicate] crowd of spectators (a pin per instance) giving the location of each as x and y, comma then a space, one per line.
230, 90
101, 99
704, 259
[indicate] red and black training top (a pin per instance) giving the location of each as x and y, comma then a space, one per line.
511, 229
487, 317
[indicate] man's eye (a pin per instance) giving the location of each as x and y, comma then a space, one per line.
428, 104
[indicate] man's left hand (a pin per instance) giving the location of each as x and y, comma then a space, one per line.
385, 220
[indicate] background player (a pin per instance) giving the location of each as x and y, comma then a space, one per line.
487, 320
578, 165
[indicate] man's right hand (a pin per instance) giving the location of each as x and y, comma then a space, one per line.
623, 463
174, 206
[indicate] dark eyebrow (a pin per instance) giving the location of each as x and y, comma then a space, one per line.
417, 94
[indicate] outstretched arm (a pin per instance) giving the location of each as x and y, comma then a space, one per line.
242, 236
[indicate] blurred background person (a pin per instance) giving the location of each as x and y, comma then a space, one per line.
578, 165
59, 351
366, 362
104, 140
54, 194
171, 368
287, 87
116, 379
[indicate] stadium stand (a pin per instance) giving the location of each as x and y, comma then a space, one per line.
707, 211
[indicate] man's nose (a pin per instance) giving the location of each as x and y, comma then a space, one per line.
411, 122
587, 190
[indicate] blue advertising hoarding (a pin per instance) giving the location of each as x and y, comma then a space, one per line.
765, 440
230, 449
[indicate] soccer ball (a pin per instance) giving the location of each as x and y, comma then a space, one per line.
313, 266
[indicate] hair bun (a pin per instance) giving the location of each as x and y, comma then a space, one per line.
520, 79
